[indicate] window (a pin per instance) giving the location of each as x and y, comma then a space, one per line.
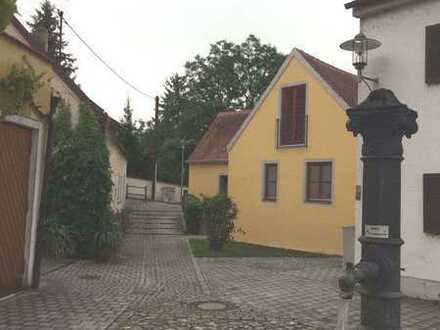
319, 182
270, 181
432, 56
223, 185
292, 127
431, 204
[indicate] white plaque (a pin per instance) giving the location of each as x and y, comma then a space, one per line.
377, 231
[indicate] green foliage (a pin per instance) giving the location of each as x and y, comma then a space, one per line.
80, 183
132, 137
219, 212
108, 239
46, 17
18, 88
123, 218
56, 236
232, 76
193, 213
7, 10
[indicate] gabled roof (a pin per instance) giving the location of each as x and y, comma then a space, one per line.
212, 147
342, 85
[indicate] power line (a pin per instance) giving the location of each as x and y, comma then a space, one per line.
106, 64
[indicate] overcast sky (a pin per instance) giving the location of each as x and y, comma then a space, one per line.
147, 41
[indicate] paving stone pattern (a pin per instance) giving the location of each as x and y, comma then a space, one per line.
157, 284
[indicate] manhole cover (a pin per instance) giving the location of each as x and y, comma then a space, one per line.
213, 306
90, 277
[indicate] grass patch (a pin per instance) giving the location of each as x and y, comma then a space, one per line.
200, 248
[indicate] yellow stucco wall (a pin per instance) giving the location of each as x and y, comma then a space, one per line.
11, 54
204, 178
290, 222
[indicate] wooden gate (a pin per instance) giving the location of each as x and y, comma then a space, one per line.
15, 159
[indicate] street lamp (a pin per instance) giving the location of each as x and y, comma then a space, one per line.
359, 46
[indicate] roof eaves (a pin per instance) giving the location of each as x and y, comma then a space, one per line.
344, 105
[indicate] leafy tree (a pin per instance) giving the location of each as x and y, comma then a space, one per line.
232, 76
80, 183
131, 136
46, 17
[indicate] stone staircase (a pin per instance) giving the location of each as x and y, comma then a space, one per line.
155, 218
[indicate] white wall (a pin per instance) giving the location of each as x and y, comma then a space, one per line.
175, 198
400, 65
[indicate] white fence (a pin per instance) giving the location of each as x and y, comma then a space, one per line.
143, 189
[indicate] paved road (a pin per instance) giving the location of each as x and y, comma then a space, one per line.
157, 285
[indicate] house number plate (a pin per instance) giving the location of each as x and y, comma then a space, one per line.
377, 231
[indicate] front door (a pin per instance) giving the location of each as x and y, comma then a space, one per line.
15, 159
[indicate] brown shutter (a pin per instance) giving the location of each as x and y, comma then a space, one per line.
432, 56
286, 134
431, 204
299, 114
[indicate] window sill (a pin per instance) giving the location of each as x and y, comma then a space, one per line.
269, 200
316, 201
293, 146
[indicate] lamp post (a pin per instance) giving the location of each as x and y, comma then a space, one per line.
360, 47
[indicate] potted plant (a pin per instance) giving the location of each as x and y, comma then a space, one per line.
7, 10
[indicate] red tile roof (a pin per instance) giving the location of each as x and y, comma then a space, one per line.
212, 147
343, 83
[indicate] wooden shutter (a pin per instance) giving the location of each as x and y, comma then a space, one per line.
299, 115
223, 185
293, 109
319, 182
432, 55
431, 204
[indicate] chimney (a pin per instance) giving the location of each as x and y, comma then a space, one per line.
41, 39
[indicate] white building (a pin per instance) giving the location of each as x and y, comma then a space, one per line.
408, 62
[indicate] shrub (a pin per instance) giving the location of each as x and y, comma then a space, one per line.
193, 213
219, 213
57, 238
123, 218
108, 239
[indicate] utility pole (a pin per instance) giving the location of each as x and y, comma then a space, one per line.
60, 46
182, 170
156, 125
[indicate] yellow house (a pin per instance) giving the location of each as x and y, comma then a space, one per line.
208, 164
292, 164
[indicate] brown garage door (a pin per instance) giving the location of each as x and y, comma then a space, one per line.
15, 151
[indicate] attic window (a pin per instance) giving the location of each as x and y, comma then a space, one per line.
432, 56
292, 126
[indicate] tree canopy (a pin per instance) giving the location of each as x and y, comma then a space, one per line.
47, 17
230, 77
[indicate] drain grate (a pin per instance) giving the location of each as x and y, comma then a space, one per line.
213, 306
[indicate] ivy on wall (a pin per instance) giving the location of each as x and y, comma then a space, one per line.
18, 89
7, 10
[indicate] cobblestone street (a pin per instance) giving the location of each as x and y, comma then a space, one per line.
157, 285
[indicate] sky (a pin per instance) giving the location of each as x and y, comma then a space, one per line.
148, 41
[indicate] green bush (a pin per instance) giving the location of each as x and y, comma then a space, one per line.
219, 212
108, 239
193, 213
123, 218
57, 238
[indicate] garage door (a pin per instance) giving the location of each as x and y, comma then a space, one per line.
15, 154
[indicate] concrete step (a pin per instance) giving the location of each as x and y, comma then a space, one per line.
155, 232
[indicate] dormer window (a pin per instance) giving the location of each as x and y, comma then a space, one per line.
293, 121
